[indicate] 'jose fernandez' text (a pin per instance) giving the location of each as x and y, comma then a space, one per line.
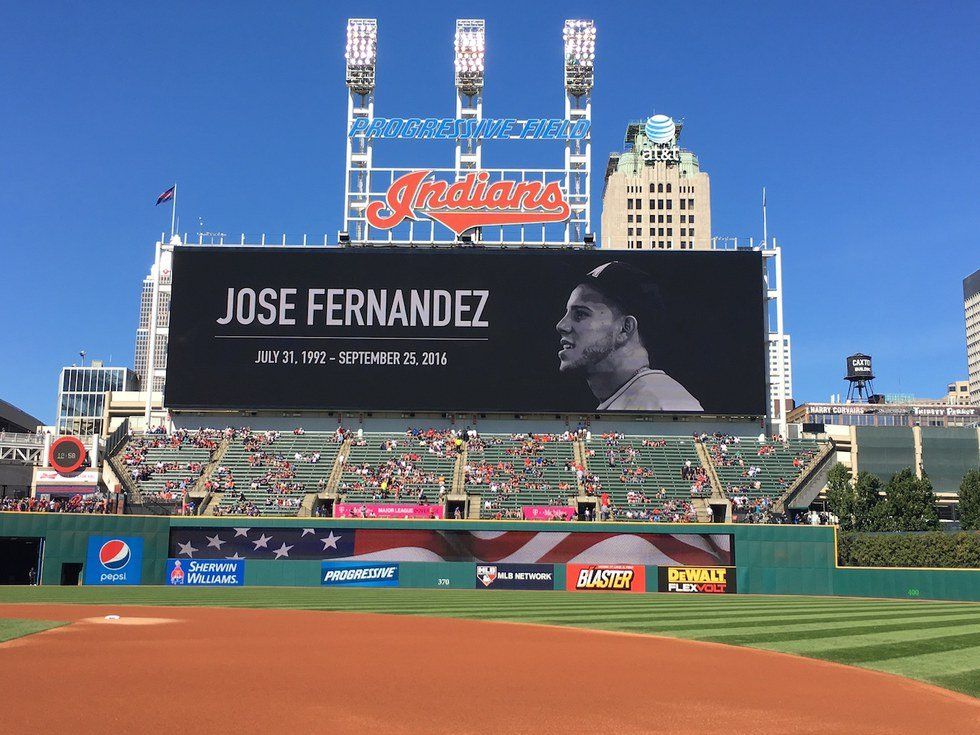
345, 307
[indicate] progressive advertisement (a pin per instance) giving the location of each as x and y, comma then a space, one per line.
334, 574
467, 330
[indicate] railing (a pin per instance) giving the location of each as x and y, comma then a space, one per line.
249, 238
21, 448
117, 438
805, 475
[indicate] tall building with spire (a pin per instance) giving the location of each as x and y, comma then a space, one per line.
971, 311
655, 195
161, 283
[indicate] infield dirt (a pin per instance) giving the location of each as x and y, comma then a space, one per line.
212, 670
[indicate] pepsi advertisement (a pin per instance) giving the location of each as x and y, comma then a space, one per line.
205, 572
467, 330
114, 560
353, 574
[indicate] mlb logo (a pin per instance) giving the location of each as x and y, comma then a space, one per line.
486, 574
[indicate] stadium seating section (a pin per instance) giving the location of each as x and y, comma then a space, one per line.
508, 472
386, 467
646, 477
645, 474
162, 466
753, 474
271, 471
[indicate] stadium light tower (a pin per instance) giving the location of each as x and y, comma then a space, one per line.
579, 40
470, 57
361, 55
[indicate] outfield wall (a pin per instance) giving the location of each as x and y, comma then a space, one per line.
763, 559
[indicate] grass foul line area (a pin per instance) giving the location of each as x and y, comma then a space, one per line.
11, 628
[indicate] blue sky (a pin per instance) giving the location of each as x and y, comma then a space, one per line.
858, 118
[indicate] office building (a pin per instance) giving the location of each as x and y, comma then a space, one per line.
162, 286
655, 195
82, 395
971, 308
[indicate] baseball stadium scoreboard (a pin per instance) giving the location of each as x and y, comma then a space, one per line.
467, 330
519, 316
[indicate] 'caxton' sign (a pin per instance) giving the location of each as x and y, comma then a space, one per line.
472, 201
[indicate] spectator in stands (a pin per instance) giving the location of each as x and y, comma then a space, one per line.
604, 506
608, 333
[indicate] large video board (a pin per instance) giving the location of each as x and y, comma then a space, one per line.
467, 330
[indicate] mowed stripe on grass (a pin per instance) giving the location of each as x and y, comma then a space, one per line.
937, 642
11, 628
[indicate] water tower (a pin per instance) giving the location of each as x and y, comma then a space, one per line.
859, 376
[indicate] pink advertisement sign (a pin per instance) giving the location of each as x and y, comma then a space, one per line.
386, 510
548, 512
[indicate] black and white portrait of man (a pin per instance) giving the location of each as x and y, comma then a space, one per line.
608, 333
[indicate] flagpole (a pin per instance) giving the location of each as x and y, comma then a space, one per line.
765, 224
173, 213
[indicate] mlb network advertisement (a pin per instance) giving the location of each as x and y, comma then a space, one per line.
114, 560
481, 330
207, 573
696, 580
515, 576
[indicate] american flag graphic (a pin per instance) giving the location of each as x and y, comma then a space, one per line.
518, 547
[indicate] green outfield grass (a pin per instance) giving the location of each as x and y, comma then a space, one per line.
11, 628
937, 642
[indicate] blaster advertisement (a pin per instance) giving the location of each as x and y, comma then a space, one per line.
605, 578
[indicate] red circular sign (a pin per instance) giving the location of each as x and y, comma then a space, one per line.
67, 454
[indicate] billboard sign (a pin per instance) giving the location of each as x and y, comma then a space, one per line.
661, 135
53, 482
515, 576
696, 580
605, 578
209, 573
114, 560
548, 512
386, 510
478, 330
454, 128
425, 544
472, 201
340, 574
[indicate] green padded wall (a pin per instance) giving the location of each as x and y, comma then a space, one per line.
947, 455
770, 559
883, 451
66, 538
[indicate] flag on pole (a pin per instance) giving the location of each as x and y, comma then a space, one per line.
167, 195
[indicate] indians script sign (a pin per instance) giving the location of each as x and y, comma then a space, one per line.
472, 201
